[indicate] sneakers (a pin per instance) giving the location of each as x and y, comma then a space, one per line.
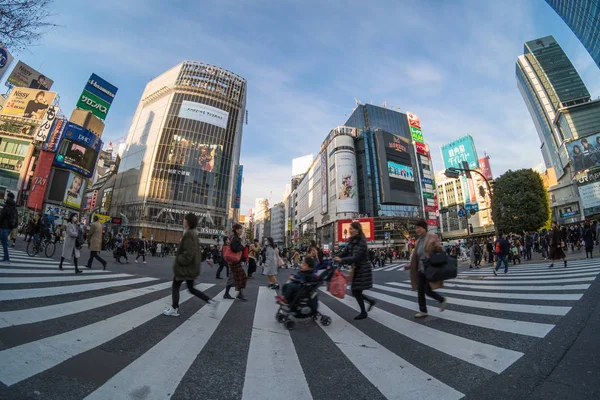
361, 316
421, 315
145, 262
214, 304
136, 261
228, 297
443, 305
551, 265
281, 299
171, 312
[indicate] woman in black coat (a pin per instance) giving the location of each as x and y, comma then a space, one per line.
357, 255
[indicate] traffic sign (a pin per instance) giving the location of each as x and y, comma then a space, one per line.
461, 213
472, 211
471, 206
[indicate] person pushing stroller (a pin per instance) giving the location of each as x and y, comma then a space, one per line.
294, 284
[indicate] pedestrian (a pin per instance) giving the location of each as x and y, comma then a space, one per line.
9, 220
72, 243
270, 266
95, 243
186, 267
490, 251
502, 248
120, 250
253, 250
515, 253
141, 250
556, 247
356, 254
427, 243
238, 275
222, 263
588, 239
472, 256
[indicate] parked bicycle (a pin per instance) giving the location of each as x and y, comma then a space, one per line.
39, 245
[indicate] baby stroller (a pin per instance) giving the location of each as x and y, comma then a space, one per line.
304, 304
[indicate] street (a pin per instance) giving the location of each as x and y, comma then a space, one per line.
101, 335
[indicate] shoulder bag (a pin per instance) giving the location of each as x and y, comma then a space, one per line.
440, 267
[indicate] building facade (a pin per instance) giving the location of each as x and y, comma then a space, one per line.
583, 17
277, 223
182, 153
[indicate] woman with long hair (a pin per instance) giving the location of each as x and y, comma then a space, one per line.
70, 245
357, 255
270, 267
237, 276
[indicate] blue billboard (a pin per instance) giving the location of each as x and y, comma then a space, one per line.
78, 150
460, 150
101, 88
238, 189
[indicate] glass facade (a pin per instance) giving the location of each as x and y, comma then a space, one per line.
176, 162
580, 121
583, 17
369, 117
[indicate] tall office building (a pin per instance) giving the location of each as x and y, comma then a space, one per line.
583, 17
182, 153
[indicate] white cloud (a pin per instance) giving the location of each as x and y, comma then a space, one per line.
263, 176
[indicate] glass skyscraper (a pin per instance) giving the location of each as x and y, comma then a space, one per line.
583, 17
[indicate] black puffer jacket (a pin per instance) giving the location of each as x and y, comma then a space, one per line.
357, 254
9, 206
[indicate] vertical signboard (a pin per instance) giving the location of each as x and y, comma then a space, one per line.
39, 181
324, 183
238, 188
46, 125
462, 149
97, 96
486, 169
346, 188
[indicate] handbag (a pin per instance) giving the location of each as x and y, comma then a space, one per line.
337, 286
231, 257
280, 262
441, 272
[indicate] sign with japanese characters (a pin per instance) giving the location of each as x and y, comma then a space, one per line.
460, 150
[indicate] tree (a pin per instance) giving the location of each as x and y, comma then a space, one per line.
23, 22
520, 202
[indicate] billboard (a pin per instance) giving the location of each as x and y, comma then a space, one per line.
26, 77
421, 148
39, 181
57, 131
238, 188
74, 192
203, 113
78, 150
93, 103
5, 60
413, 120
346, 184
486, 169
398, 171
324, 183
584, 153
462, 149
367, 224
28, 103
416, 134
101, 89
46, 125
58, 211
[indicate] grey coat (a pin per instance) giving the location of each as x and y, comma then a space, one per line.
270, 266
357, 254
69, 245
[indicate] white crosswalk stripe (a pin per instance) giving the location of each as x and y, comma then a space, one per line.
527, 304
391, 267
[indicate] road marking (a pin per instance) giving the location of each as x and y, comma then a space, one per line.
48, 272
520, 296
65, 278
541, 272
38, 314
395, 266
159, 370
393, 376
492, 358
24, 361
583, 277
542, 267
18, 294
273, 370
522, 308
534, 275
453, 283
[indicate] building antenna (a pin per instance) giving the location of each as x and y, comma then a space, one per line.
357, 101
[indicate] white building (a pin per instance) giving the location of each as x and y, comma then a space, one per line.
278, 223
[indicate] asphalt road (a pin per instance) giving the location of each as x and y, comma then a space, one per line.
529, 334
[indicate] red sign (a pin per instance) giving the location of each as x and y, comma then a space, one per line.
486, 170
413, 120
39, 181
367, 224
421, 148
430, 209
116, 221
432, 222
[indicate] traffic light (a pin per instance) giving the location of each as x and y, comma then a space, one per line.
465, 165
452, 173
470, 228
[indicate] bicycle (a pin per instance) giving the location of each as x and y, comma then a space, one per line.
37, 245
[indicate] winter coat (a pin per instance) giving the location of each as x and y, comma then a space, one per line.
95, 236
270, 266
9, 205
432, 245
357, 255
588, 238
186, 266
72, 233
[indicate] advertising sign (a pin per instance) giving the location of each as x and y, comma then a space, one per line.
5, 60
460, 150
585, 153
58, 211
590, 194
74, 193
2, 102
432, 222
101, 89
346, 188
486, 169
39, 181
28, 103
238, 188
47, 122
93, 103
103, 218
204, 113
324, 183
417, 135
367, 224
427, 181
413, 120
78, 150
471, 206
428, 195
398, 171
421, 148
56, 135
26, 77
430, 209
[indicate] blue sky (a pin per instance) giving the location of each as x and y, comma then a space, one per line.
450, 62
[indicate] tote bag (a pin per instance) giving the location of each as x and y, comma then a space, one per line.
337, 286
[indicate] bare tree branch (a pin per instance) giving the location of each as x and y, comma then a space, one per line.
23, 22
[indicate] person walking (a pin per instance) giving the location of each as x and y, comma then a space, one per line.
356, 254
141, 250
472, 256
72, 243
186, 267
270, 266
95, 243
253, 250
556, 248
427, 243
588, 240
9, 220
120, 250
237, 276
502, 251
222, 263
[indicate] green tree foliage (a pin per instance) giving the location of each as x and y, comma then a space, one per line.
520, 202
23, 22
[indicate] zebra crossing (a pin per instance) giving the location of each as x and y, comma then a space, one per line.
397, 266
100, 335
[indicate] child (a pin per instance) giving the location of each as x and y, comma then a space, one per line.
515, 255
306, 274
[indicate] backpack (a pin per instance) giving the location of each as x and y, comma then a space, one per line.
12, 217
498, 247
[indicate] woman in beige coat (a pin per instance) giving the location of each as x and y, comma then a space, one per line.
426, 244
95, 243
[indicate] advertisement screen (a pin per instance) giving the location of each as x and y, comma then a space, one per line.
460, 150
58, 185
367, 225
26, 77
398, 171
5, 60
590, 195
185, 155
74, 193
78, 150
203, 113
347, 194
28, 103
585, 153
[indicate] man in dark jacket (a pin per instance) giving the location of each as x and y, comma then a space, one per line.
502, 248
9, 219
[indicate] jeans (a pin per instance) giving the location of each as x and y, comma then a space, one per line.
4, 239
222, 265
190, 284
94, 254
528, 253
502, 259
425, 289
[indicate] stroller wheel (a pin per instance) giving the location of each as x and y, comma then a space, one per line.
315, 317
289, 324
280, 318
325, 321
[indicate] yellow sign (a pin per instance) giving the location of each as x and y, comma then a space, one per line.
102, 218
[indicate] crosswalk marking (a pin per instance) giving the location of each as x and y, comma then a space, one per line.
391, 267
547, 271
521, 308
481, 281
28, 271
492, 358
159, 370
64, 278
272, 354
21, 362
547, 275
393, 376
454, 283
